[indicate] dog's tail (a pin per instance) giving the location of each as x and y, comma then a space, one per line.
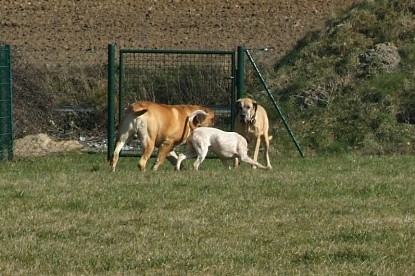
196, 118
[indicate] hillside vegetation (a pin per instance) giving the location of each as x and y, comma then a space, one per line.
351, 86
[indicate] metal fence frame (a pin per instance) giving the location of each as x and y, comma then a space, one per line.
118, 82
6, 104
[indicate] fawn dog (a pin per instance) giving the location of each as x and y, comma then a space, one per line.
226, 145
252, 123
156, 125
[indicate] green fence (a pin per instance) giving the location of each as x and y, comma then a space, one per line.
171, 77
6, 120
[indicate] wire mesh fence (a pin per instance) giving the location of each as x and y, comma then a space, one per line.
179, 77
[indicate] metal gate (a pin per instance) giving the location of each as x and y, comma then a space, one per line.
170, 77
6, 120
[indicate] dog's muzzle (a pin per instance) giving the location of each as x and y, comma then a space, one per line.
243, 118
246, 119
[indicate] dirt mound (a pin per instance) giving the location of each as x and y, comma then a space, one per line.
41, 144
384, 56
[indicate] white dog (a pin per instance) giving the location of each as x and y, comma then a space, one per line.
226, 145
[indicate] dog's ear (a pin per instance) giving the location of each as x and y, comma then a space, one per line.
238, 105
196, 118
254, 103
199, 118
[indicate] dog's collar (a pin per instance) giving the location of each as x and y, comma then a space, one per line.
253, 118
252, 121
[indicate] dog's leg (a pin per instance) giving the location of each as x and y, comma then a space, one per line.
119, 145
179, 160
265, 139
147, 150
245, 158
164, 149
257, 144
243, 155
225, 163
190, 152
172, 158
236, 162
198, 161
201, 155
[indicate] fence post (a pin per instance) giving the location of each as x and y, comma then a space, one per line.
240, 72
6, 103
111, 104
275, 103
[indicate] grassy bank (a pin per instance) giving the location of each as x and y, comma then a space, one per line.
338, 97
66, 214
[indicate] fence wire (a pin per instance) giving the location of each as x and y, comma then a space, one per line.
179, 77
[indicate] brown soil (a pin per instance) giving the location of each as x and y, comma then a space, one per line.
77, 32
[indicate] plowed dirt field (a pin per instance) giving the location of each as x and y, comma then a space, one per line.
78, 31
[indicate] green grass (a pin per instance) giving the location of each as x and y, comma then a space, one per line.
66, 214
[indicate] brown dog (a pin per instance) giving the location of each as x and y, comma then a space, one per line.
156, 125
252, 123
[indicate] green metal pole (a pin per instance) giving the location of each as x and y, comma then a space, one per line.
6, 103
275, 103
233, 90
240, 72
121, 77
111, 105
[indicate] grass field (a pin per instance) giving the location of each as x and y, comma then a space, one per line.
342, 215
